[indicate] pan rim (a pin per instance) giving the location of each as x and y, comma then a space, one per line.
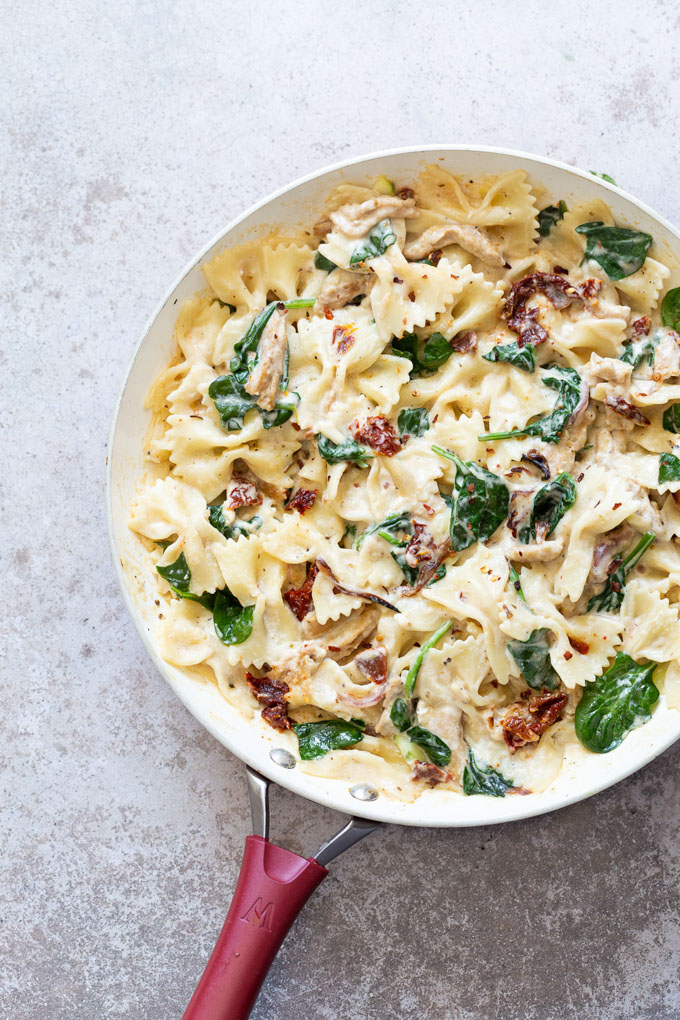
310, 786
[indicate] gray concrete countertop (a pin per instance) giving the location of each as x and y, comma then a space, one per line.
133, 131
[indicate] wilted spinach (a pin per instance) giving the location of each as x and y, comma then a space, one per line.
523, 358
635, 350
388, 528
335, 453
610, 598
567, 382
233, 403
413, 672
413, 421
315, 739
233, 622
669, 468
619, 250
670, 309
435, 352
671, 418
377, 243
178, 576
549, 506
533, 658
614, 703
548, 217
478, 778
216, 518
434, 747
321, 262
480, 502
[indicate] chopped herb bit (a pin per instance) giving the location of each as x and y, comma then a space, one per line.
548, 217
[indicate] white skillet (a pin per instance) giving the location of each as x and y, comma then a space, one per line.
255, 743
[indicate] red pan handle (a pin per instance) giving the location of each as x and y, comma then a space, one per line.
273, 886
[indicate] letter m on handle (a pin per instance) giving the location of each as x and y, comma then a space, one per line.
259, 915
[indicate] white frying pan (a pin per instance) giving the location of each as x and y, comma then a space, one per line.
275, 883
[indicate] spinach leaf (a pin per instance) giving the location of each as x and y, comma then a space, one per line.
225, 304
349, 450
670, 309
605, 177
233, 622
671, 418
533, 658
413, 672
515, 581
216, 518
480, 505
523, 358
669, 468
614, 703
635, 350
549, 506
400, 714
435, 352
377, 243
567, 382
548, 217
435, 748
233, 403
390, 525
610, 598
413, 421
478, 778
321, 262
178, 576
620, 251
316, 739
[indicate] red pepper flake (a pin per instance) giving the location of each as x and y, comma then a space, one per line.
377, 433
302, 500
411, 295
328, 314
568, 656
616, 506
397, 279
580, 477
582, 647
405, 193
428, 509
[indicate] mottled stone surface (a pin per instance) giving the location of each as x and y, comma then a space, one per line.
134, 131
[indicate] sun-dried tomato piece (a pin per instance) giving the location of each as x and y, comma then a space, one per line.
642, 326
377, 433
422, 549
582, 647
242, 492
372, 663
527, 720
302, 500
465, 341
626, 410
300, 599
272, 694
343, 338
559, 290
429, 773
